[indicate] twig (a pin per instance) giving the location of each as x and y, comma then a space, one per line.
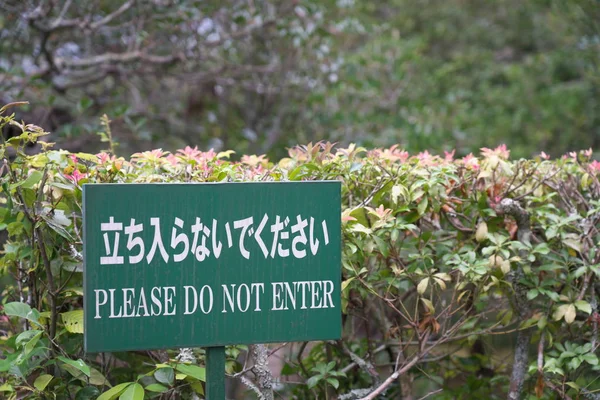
364, 365
245, 370
111, 58
39, 238
63, 12
540, 356
392, 378
51, 285
276, 349
558, 390
353, 364
594, 316
299, 358
106, 20
586, 283
251, 385
430, 394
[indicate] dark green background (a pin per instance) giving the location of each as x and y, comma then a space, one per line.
226, 202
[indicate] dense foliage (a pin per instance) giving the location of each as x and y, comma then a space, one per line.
462, 277
259, 76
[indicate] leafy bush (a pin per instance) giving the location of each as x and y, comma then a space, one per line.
462, 278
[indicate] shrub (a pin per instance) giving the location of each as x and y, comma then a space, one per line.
462, 278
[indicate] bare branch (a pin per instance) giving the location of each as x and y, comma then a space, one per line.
383, 387
430, 394
241, 33
111, 58
363, 364
106, 20
64, 11
251, 385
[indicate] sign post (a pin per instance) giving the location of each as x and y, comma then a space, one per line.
210, 265
215, 375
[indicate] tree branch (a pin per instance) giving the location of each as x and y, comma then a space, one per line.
121, 58
520, 303
383, 387
363, 364
106, 20
264, 379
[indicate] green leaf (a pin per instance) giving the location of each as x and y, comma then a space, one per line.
156, 387
384, 249
31, 344
42, 381
428, 304
360, 228
422, 286
59, 218
560, 311
583, 306
84, 104
31, 181
346, 283
114, 392
39, 161
64, 186
574, 244
87, 393
575, 363
6, 388
76, 373
361, 216
192, 370
573, 385
95, 378
542, 248
287, 369
25, 337
313, 381
422, 206
165, 375
590, 358
542, 322
73, 321
570, 313
330, 366
134, 392
87, 157
580, 271
333, 382
18, 309
197, 387
7, 363
78, 364
355, 167
57, 227
400, 191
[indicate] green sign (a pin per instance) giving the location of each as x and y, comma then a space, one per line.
211, 264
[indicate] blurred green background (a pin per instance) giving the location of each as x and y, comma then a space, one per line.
260, 76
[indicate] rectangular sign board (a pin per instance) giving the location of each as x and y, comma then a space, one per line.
210, 264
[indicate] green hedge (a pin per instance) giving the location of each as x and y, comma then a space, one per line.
462, 278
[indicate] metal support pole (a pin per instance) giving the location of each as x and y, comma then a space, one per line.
215, 373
